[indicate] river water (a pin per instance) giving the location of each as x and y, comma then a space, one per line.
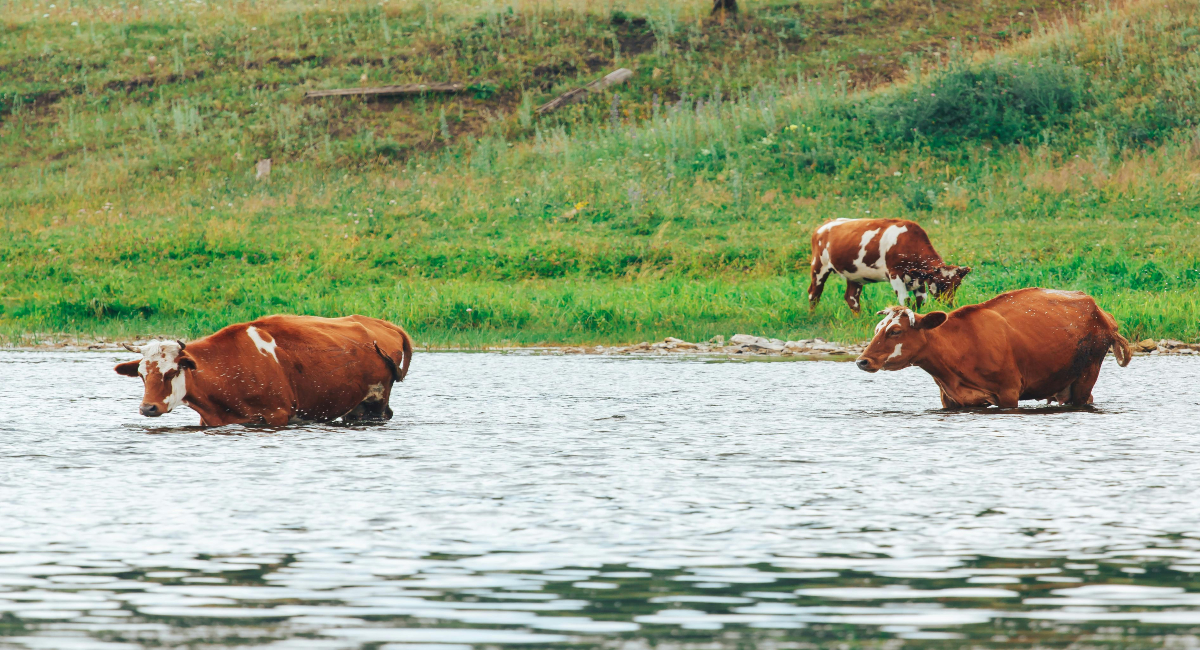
550, 502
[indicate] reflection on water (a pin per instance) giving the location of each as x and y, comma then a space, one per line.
549, 502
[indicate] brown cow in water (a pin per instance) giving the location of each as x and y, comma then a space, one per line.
277, 370
1024, 344
895, 251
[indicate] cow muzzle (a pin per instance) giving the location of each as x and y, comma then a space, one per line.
150, 410
865, 364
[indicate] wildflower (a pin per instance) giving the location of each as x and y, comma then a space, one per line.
393, 201
793, 127
581, 205
933, 94
469, 310
895, 173
705, 151
868, 212
75, 24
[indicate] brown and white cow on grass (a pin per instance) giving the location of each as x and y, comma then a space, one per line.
895, 251
1024, 344
277, 370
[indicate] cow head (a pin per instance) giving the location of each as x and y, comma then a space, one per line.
898, 338
162, 369
944, 282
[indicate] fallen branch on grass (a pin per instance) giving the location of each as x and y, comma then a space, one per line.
404, 89
611, 79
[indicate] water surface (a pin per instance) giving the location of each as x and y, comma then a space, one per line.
550, 502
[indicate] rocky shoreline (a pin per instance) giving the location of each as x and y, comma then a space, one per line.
749, 345
739, 345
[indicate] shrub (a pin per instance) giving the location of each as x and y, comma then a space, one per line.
1005, 101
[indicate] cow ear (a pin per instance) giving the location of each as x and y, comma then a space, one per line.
963, 271
186, 362
129, 368
931, 320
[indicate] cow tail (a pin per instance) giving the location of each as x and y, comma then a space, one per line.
1120, 346
389, 361
1121, 350
408, 349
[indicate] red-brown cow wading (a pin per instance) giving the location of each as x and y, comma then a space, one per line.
276, 370
1024, 344
895, 251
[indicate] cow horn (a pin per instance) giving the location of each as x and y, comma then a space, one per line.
132, 348
182, 345
881, 312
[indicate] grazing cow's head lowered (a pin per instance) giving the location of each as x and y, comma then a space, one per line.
898, 338
162, 368
944, 282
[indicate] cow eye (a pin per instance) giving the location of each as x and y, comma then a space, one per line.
894, 332
170, 374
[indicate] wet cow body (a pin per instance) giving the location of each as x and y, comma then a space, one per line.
276, 370
1025, 344
895, 251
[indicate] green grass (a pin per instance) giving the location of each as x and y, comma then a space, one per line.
1066, 160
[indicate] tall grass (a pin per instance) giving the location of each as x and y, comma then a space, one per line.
1067, 162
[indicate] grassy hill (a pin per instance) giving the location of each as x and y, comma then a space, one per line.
1053, 144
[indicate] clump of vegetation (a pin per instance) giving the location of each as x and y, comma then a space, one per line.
1005, 100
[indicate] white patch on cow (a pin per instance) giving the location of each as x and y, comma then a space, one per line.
893, 318
877, 271
900, 289
946, 273
264, 346
164, 355
895, 353
860, 261
826, 266
831, 224
374, 393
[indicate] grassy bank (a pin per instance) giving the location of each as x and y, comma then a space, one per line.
679, 205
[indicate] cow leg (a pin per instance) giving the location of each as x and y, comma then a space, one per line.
816, 283
853, 293
897, 283
918, 297
948, 402
277, 418
374, 407
1008, 398
1081, 390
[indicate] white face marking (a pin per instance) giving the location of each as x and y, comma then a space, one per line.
265, 345
893, 318
895, 353
165, 357
946, 273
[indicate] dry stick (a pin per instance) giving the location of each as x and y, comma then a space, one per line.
570, 97
405, 89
